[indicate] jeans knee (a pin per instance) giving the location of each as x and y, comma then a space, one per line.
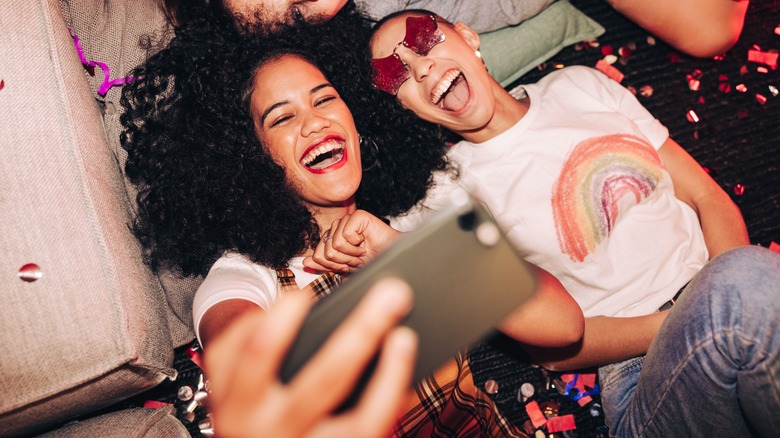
746, 271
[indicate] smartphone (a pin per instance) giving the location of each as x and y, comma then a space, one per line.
466, 278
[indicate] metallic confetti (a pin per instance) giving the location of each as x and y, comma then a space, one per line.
2, 84
606, 50
739, 190
773, 90
762, 69
526, 391
30, 272
774, 246
627, 51
760, 98
646, 91
185, 393
650, 40
549, 408
491, 387
724, 87
692, 116
742, 88
610, 59
694, 80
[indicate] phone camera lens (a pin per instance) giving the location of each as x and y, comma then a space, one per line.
467, 221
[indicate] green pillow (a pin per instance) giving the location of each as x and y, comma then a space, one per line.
512, 51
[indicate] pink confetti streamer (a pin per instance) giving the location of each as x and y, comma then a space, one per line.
107, 83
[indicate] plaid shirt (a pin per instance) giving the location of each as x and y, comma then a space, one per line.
446, 404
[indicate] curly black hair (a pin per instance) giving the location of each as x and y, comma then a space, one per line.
206, 185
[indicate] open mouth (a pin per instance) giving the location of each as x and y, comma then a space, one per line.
452, 92
324, 155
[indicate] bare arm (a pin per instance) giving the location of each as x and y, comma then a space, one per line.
606, 340
700, 28
550, 318
242, 362
721, 220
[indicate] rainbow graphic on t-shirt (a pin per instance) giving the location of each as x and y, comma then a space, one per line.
597, 175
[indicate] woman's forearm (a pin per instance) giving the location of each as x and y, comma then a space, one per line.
606, 340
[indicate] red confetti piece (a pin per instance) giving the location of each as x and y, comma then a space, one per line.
762, 70
535, 414
739, 190
720, 57
154, 404
195, 357
769, 59
646, 91
559, 424
673, 57
743, 70
584, 400
588, 379
606, 50
2, 84
777, 30
742, 114
774, 247
692, 116
723, 78
742, 88
610, 71
625, 52
761, 98
724, 87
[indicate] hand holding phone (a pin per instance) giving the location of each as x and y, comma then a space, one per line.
465, 276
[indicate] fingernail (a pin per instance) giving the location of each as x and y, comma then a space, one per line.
391, 294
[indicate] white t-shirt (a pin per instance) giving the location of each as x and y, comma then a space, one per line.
579, 188
234, 276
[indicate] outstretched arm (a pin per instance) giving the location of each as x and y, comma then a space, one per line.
700, 28
243, 360
721, 220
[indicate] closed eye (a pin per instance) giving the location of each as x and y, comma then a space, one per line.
281, 119
324, 100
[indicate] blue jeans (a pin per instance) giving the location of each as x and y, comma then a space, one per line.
714, 367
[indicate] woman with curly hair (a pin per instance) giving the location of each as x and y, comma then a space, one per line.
244, 157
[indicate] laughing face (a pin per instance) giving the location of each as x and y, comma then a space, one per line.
308, 130
447, 84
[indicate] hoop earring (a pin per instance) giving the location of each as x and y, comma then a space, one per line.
479, 55
374, 149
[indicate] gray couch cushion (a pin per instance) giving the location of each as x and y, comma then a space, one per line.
130, 423
122, 34
93, 330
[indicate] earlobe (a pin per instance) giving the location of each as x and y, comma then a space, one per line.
468, 34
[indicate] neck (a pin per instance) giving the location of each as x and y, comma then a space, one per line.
508, 112
325, 216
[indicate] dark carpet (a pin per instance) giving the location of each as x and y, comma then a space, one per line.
737, 138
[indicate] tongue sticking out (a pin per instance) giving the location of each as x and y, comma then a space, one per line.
456, 97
